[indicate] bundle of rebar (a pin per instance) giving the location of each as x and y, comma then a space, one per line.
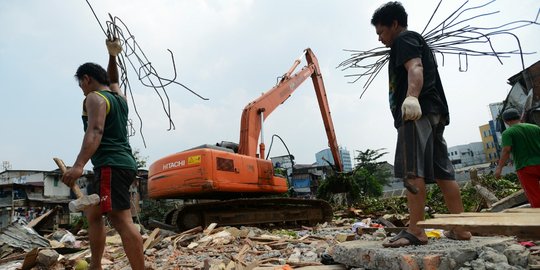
146, 73
452, 36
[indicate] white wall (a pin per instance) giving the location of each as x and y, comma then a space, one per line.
55, 187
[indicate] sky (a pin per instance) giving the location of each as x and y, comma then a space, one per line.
230, 52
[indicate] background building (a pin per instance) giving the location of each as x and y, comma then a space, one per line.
467, 154
490, 142
327, 155
496, 109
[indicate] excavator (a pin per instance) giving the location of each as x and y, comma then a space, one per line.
240, 182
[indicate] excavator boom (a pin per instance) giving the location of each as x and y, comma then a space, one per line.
257, 111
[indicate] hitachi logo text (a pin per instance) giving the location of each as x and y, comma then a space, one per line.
174, 164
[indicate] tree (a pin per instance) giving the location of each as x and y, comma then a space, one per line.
366, 180
370, 174
140, 160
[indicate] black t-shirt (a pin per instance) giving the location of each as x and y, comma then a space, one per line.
406, 46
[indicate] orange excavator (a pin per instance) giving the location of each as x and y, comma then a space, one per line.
238, 178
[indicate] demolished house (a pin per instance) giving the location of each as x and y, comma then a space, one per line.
524, 95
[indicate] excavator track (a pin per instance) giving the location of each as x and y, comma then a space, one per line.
258, 211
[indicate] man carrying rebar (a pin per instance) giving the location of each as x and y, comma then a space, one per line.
420, 112
105, 142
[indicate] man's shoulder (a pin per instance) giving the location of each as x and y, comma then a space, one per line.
407, 34
408, 38
522, 127
529, 125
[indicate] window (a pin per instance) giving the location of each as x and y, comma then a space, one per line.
55, 182
489, 155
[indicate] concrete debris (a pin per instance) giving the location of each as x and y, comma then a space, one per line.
443, 253
47, 257
328, 246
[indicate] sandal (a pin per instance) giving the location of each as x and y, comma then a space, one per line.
413, 240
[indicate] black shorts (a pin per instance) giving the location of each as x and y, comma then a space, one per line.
421, 150
112, 186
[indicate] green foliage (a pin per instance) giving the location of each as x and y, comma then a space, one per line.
141, 160
370, 174
366, 180
280, 172
290, 233
472, 202
339, 183
79, 222
155, 209
381, 206
501, 187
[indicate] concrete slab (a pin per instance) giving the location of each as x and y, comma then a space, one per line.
438, 254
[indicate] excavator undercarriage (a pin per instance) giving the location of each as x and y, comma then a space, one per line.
255, 211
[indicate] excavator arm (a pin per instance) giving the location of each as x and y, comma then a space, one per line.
257, 111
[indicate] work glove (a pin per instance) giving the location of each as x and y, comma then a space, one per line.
113, 46
410, 109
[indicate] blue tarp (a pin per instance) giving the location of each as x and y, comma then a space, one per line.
301, 183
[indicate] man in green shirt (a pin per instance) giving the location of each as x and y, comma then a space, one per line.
105, 142
523, 141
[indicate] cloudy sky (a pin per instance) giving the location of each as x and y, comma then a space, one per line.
229, 51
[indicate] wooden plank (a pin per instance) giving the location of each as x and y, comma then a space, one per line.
35, 221
521, 225
209, 229
150, 238
513, 212
13, 257
482, 214
523, 210
509, 201
30, 259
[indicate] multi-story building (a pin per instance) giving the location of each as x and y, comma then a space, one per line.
490, 142
496, 109
467, 155
326, 154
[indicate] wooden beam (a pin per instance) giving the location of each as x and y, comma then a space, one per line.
509, 201
37, 220
525, 225
150, 238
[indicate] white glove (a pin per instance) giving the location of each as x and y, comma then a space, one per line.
113, 46
410, 109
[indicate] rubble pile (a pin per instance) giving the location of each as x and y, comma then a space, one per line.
325, 246
211, 248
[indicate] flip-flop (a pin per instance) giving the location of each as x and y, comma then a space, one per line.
413, 240
452, 235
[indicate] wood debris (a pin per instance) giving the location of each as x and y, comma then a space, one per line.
524, 223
